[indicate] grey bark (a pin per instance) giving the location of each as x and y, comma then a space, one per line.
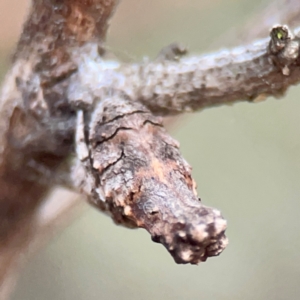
62, 98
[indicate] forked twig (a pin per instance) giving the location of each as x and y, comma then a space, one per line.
61, 97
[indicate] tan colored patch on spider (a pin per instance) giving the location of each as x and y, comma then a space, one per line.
156, 169
194, 187
260, 98
159, 169
172, 165
127, 211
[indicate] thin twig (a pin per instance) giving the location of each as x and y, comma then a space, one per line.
167, 87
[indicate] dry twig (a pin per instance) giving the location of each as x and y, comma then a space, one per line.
62, 97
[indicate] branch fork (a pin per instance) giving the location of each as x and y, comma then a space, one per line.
64, 107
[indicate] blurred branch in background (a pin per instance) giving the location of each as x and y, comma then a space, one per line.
28, 135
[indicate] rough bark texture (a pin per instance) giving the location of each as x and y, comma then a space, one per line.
134, 171
37, 124
61, 97
167, 87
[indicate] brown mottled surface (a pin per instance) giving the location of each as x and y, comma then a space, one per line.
134, 169
142, 180
36, 125
54, 24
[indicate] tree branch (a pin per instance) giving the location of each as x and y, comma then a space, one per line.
127, 164
265, 68
36, 125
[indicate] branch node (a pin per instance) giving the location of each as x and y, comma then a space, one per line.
284, 48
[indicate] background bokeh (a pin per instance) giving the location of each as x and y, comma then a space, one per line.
246, 161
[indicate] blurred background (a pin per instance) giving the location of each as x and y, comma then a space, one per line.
246, 161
